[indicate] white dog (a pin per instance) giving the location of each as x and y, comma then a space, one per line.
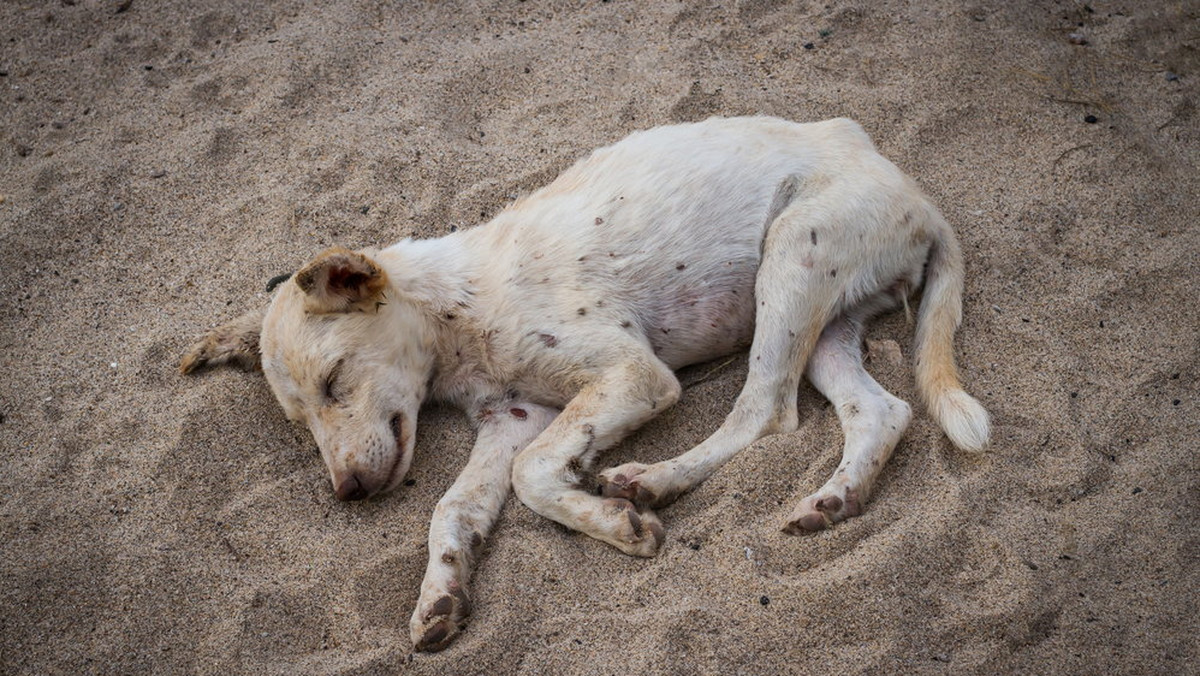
558, 325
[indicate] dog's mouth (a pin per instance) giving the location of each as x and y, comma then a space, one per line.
399, 436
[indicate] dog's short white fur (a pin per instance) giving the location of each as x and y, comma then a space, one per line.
558, 325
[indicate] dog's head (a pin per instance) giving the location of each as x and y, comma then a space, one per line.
347, 355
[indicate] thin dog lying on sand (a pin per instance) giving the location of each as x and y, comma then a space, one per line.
558, 325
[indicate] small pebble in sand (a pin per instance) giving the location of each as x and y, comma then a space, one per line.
809, 45
764, 600
1091, 119
1137, 489
1171, 77
118, 206
410, 482
364, 209
1077, 39
158, 173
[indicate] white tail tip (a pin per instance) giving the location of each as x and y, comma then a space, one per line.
964, 419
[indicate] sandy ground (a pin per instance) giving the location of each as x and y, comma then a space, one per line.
159, 163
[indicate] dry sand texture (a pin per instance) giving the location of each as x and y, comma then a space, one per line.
159, 163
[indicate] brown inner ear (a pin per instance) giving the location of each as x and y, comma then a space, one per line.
339, 280
346, 280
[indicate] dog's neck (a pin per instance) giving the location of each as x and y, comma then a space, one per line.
434, 273
440, 276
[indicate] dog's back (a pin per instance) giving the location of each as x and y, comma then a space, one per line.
663, 230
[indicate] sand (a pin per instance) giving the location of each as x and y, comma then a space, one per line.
159, 163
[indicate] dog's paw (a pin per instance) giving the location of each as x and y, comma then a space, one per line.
438, 620
823, 509
633, 532
636, 483
235, 342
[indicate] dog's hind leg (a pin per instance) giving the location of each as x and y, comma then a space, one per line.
463, 518
872, 421
798, 290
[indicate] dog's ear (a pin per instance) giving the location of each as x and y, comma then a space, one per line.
233, 343
340, 280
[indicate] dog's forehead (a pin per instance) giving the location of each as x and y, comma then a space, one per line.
306, 344
293, 341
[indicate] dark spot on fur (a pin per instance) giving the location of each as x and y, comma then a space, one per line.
476, 540
548, 339
833, 273
518, 413
599, 221
626, 324
812, 234
681, 266
581, 311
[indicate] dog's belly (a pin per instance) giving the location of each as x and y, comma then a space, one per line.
699, 320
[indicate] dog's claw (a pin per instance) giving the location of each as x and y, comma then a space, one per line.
435, 628
436, 637
628, 482
818, 512
645, 534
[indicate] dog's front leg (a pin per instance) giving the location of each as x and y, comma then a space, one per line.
546, 475
465, 515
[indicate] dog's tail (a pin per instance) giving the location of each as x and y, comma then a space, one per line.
962, 417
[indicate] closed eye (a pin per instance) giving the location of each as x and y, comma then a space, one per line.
329, 390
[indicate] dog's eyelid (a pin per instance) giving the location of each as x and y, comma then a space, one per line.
331, 380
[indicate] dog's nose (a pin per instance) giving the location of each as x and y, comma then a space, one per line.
350, 489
